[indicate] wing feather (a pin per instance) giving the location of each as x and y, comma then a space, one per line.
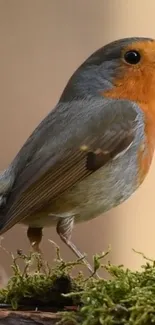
52, 170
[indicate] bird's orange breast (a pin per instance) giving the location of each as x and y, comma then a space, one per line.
142, 92
145, 157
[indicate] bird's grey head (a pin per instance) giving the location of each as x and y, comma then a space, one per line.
98, 71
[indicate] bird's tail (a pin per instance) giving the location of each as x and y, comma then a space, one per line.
7, 178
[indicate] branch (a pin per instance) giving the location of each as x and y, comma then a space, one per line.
28, 318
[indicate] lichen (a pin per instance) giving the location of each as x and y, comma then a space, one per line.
128, 297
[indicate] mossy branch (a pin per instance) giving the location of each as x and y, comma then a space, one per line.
127, 298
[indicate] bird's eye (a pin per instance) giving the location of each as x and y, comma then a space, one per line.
132, 57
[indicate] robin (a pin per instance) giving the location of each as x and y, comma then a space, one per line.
92, 151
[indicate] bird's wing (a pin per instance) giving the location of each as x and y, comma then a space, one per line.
70, 148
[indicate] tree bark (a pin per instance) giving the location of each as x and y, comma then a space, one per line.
28, 318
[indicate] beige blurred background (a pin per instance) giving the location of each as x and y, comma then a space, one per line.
42, 42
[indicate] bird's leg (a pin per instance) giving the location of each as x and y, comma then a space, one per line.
35, 236
64, 230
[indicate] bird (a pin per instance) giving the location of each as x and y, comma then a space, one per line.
92, 151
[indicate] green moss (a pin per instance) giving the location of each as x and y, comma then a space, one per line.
128, 297
41, 289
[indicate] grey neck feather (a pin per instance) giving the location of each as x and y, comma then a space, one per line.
88, 81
